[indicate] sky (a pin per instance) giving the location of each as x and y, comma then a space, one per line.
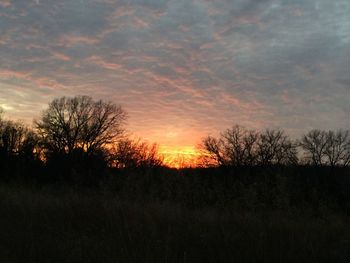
181, 69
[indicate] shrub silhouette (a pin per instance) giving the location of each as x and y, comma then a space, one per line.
128, 153
19, 149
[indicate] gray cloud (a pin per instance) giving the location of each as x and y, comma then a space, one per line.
185, 68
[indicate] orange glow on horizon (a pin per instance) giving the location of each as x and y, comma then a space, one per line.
180, 156
177, 144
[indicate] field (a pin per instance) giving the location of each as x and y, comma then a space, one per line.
60, 223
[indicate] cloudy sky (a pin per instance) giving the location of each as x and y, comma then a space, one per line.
182, 69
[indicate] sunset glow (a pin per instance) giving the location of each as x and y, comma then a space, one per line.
180, 157
181, 69
174, 131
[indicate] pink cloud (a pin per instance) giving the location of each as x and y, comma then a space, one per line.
184, 85
13, 74
40, 82
139, 23
70, 40
5, 3
60, 56
100, 62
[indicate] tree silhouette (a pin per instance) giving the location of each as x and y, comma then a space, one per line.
327, 148
274, 147
241, 147
80, 123
17, 140
314, 144
212, 152
19, 151
129, 153
235, 147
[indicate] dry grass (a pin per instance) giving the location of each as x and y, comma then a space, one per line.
70, 225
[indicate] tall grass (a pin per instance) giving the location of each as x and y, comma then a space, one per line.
66, 224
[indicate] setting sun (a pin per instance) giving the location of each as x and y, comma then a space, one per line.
180, 157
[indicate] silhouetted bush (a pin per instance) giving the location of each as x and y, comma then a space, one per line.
128, 153
77, 167
19, 151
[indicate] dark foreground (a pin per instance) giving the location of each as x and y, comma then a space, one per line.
66, 224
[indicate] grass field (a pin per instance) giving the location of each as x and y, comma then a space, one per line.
78, 225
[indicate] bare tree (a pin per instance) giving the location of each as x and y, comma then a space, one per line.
235, 147
346, 155
80, 123
315, 144
241, 147
17, 140
212, 152
129, 153
337, 150
274, 147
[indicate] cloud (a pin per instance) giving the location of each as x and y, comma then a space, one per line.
5, 3
182, 69
71, 40
101, 63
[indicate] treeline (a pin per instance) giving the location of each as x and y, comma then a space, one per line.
241, 147
76, 140
81, 140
